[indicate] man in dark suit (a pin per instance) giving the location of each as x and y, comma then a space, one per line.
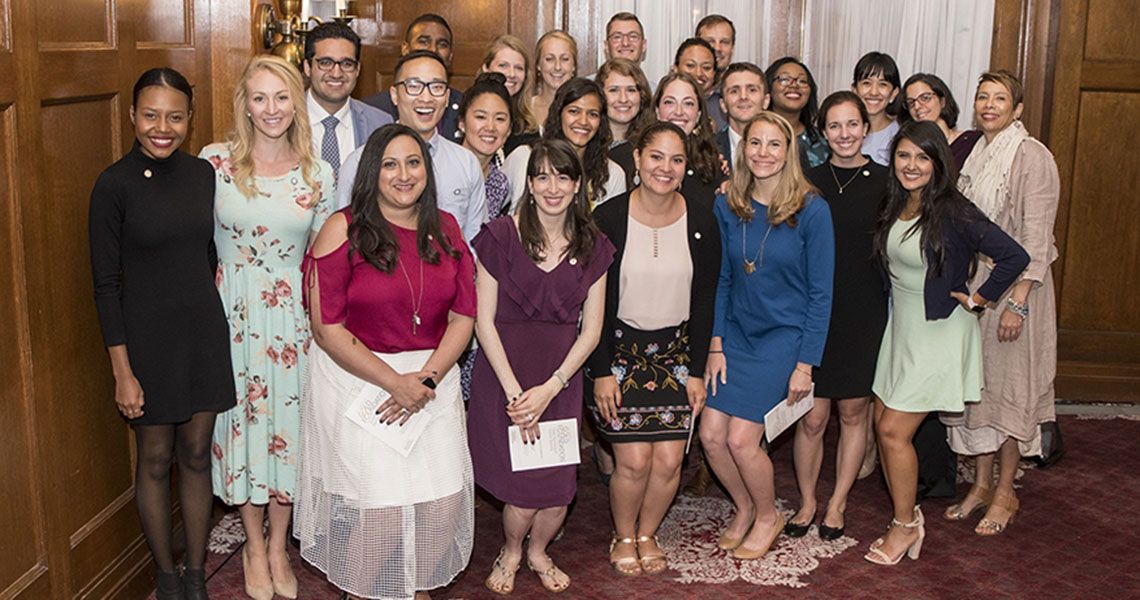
428, 31
339, 123
743, 93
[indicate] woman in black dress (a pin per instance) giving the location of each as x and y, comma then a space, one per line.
853, 186
151, 231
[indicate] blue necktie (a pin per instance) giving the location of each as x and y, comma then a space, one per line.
330, 151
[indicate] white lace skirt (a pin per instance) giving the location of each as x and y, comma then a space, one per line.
379, 524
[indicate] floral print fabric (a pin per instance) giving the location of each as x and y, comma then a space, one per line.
651, 368
261, 242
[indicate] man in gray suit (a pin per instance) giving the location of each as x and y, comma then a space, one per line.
340, 124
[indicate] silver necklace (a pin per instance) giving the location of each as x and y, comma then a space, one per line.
843, 186
750, 265
419, 301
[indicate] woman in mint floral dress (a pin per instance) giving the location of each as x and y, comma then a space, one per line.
272, 197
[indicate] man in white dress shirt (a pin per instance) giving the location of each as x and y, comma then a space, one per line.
340, 124
743, 93
420, 93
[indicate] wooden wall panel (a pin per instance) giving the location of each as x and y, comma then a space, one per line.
79, 376
165, 23
1122, 42
76, 24
23, 550
1102, 217
1092, 114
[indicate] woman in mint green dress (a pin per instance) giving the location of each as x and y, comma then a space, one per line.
928, 238
272, 197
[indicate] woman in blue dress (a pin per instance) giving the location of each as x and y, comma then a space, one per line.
773, 304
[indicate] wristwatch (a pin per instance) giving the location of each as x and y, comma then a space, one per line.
977, 308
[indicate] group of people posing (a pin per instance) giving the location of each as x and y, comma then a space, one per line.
671, 258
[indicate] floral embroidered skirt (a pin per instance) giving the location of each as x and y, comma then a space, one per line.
651, 368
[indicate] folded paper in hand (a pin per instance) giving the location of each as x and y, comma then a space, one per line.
362, 411
557, 445
783, 416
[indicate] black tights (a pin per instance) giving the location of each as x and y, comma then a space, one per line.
157, 446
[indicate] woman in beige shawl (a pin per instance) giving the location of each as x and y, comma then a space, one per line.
1013, 179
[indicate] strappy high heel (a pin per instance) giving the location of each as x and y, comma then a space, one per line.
876, 554
955, 512
1006, 502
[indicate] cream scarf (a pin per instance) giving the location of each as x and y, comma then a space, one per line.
985, 176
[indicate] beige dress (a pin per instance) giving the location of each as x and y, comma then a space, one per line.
1018, 376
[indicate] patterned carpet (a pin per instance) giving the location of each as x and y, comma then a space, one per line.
1078, 536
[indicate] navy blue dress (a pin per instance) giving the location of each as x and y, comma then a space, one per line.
778, 315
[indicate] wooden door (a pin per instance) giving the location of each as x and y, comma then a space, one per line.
1094, 124
68, 527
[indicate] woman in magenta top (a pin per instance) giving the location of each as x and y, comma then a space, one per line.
385, 504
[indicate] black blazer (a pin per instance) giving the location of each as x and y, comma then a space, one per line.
612, 218
965, 238
725, 146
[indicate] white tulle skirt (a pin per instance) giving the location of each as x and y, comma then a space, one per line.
380, 524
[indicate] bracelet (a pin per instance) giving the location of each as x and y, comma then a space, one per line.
974, 306
807, 372
716, 351
1021, 310
562, 379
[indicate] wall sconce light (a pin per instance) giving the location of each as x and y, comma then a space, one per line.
292, 25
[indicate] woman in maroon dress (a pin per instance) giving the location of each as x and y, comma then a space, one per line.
537, 272
387, 510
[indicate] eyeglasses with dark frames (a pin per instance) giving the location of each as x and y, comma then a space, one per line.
347, 65
415, 87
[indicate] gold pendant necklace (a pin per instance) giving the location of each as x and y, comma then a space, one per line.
411, 292
843, 186
750, 265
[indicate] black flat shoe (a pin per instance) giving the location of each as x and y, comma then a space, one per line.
194, 581
796, 530
830, 533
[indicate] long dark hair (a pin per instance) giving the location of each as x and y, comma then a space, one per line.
595, 160
578, 227
700, 145
809, 114
942, 205
369, 232
487, 83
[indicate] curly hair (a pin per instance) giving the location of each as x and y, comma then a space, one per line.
595, 157
704, 157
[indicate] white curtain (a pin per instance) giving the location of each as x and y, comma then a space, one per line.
667, 23
949, 38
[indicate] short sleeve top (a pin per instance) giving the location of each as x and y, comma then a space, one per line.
379, 308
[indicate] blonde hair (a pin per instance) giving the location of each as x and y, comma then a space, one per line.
792, 189
524, 117
299, 134
549, 35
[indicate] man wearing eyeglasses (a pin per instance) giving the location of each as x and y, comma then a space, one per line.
419, 94
428, 31
340, 124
